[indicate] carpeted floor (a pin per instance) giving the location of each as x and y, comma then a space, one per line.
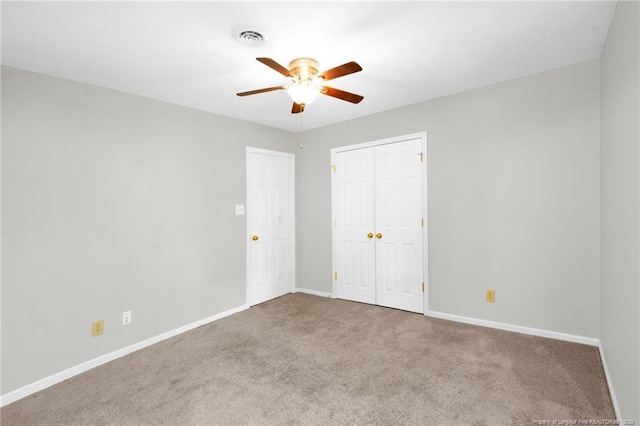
303, 359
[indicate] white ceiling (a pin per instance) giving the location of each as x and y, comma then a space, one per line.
185, 53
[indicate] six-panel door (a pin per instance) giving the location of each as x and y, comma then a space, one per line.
271, 225
398, 207
355, 225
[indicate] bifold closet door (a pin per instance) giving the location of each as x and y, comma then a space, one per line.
398, 217
378, 225
354, 224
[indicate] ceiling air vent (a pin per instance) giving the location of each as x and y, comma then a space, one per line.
250, 37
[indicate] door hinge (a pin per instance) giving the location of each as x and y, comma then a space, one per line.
423, 287
421, 157
335, 222
422, 222
335, 276
334, 167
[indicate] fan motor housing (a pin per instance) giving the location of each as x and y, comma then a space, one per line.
304, 68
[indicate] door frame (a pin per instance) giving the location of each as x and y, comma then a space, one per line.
251, 150
425, 209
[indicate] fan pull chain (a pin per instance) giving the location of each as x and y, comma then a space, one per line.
301, 129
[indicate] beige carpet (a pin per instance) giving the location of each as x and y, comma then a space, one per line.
303, 359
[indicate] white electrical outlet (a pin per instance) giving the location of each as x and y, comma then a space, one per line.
239, 209
126, 318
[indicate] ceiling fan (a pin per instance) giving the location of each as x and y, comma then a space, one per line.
308, 82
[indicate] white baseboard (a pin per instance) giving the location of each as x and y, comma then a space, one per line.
39, 385
34, 387
612, 392
517, 328
314, 292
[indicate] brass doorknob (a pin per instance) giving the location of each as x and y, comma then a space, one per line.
378, 235
254, 238
370, 235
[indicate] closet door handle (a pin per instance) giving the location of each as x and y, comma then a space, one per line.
378, 235
370, 235
254, 238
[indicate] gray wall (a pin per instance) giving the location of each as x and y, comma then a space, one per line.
620, 209
513, 192
113, 202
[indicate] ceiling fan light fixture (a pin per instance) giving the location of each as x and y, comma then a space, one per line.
308, 83
303, 92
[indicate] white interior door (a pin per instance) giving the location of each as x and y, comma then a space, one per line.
271, 224
398, 207
378, 224
354, 225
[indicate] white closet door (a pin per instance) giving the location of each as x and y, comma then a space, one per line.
398, 206
354, 225
378, 251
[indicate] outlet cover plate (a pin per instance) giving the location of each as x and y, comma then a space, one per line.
97, 328
491, 296
126, 318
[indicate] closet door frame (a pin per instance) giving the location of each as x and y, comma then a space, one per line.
425, 230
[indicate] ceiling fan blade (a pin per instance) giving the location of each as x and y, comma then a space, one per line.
276, 66
297, 108
341, 94
266, 89
340, 71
